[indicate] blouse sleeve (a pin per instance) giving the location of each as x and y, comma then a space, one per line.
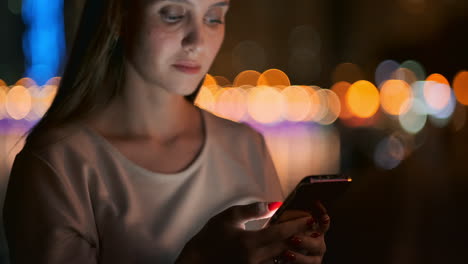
47, 217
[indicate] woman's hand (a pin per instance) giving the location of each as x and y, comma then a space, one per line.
309, 247
224, 240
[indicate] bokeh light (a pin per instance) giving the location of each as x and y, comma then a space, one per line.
231, 103
416, 68
405, 74
414, 120
3, 98
273, 77
389, 152
209, 80
348, 72
341, 89
331, 105
385, 70
265, 104
395, 94
436, 95
206, 97
298, 103
222, 81
18, 102
363, 99
248, 77
460, 86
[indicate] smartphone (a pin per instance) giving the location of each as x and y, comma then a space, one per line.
300, 202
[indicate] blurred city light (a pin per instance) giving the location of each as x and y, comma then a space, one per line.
43, 41
363, 99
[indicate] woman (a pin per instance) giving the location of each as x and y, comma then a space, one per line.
123, 168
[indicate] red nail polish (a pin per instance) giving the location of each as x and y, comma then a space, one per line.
315, 235
296, 241
274, 206
311, 222
289, 256
326, 221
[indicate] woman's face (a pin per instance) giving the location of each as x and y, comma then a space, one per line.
174, 42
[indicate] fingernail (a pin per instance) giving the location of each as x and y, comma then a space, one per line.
311, 222
325, 220
315, 235
289, 256
274, 205
296, 241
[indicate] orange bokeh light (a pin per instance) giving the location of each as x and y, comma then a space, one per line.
222, 81
273, 77
438, 78
341, 88
460, 86
265, 104
209, 80
298, 104
231, 103
393, 95
247, 78
363, 99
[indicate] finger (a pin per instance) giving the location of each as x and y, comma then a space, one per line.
324, 224
282, 231
271, 251
295, 257
313, 245
240, 214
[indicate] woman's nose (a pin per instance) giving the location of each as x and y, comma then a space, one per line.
194, 39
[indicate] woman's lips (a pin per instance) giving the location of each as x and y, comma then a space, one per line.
187, 67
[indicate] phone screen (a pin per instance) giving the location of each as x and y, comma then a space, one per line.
300, 202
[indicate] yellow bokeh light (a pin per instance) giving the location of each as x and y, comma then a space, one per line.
206, 97
265, 104
363, 99
247, 78
393, 95
341, 88
460, 86
317, 107
18, 102
332, 106
298, 104
273, 77
209, 80
231, 103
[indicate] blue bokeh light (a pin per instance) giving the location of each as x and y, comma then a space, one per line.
44, 40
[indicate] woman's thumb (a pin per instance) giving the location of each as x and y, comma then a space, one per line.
241, 214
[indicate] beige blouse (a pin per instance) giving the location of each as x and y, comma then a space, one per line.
78, 200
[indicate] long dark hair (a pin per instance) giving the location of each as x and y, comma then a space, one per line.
95, 69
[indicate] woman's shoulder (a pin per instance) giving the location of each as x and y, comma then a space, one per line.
229, 128
61, 144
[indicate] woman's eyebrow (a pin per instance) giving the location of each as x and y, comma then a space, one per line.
223, 3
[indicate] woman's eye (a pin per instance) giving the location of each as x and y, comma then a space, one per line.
215, 16
172, 14
214, 21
